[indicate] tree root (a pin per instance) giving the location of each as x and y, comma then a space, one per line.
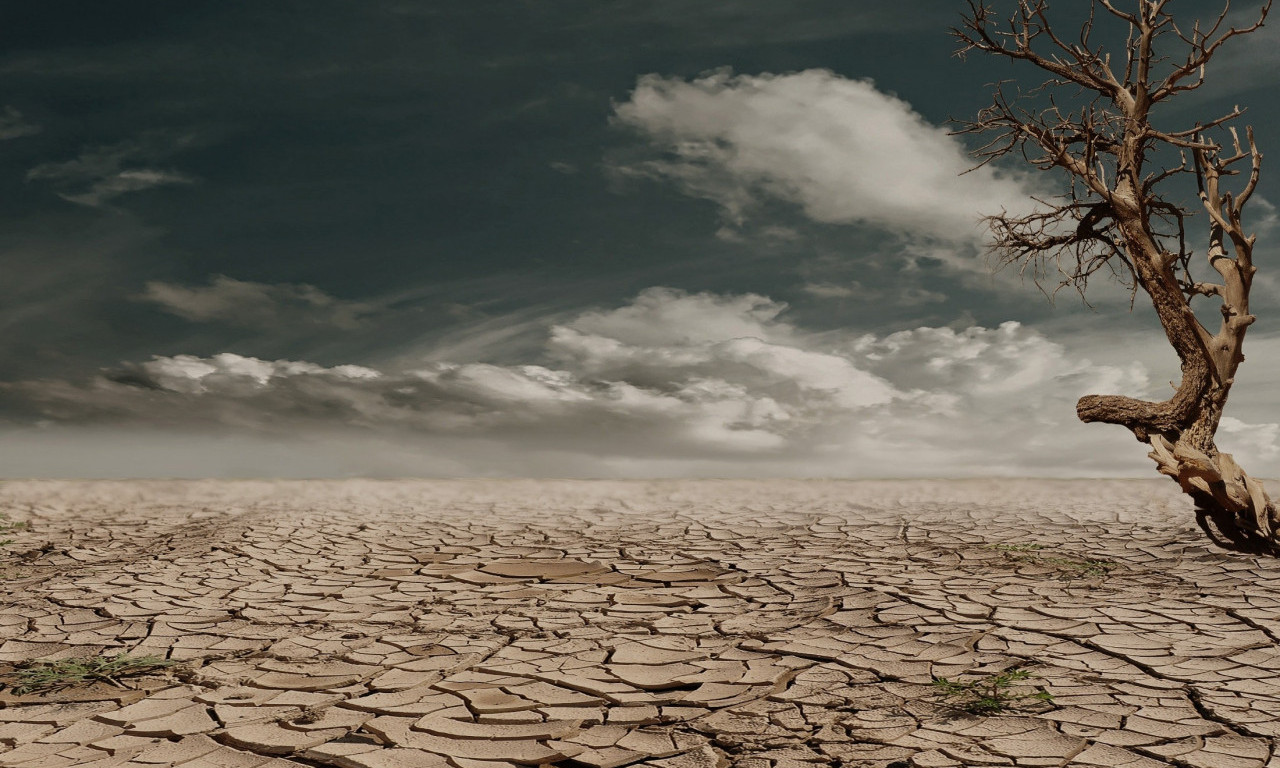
1236, 504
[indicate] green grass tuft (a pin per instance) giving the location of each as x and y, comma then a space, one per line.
8, 527
1030, 553
991, 694
1016, 547
45, 676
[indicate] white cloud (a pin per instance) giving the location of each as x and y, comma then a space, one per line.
668, 339
190, 374
101, 174
103, 190
669, 384
1261, 440
842, 150
666, 316
246, 303
830, 290
13, 125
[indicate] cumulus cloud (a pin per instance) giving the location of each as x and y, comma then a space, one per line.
839, 148
101, 174
246, 303
1000, 399
671, 383
13, 125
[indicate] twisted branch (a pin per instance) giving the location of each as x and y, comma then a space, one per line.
1121, 214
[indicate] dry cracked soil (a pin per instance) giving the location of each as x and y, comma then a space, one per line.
680, 624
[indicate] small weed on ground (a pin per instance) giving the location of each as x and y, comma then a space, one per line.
1074, 568
1083, 568
309, 715
990, 694
1016, 547
6, 527
45, 676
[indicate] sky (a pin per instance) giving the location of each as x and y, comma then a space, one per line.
566, 238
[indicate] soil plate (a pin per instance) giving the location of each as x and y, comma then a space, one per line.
672, 624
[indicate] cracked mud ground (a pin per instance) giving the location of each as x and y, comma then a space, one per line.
484, 624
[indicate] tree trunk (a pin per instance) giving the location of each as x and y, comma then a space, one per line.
1181, 430
1116, 208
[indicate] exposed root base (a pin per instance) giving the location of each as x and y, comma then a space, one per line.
1244, 518
1222, 530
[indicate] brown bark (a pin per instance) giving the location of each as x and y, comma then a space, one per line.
1181, 430
1117, 210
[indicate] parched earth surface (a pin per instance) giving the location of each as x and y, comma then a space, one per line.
691, 624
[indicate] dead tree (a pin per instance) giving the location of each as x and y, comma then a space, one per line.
1127, 205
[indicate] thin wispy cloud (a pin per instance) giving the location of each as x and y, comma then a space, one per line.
903, 296
100, 174
13, 125
247, 303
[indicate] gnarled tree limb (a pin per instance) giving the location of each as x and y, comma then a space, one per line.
1091, 121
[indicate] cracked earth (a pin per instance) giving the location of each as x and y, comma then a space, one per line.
681, 624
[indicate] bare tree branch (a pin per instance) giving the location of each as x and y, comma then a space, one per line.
1201, 48
1092, 123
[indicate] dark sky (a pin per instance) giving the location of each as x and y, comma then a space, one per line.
501, 250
